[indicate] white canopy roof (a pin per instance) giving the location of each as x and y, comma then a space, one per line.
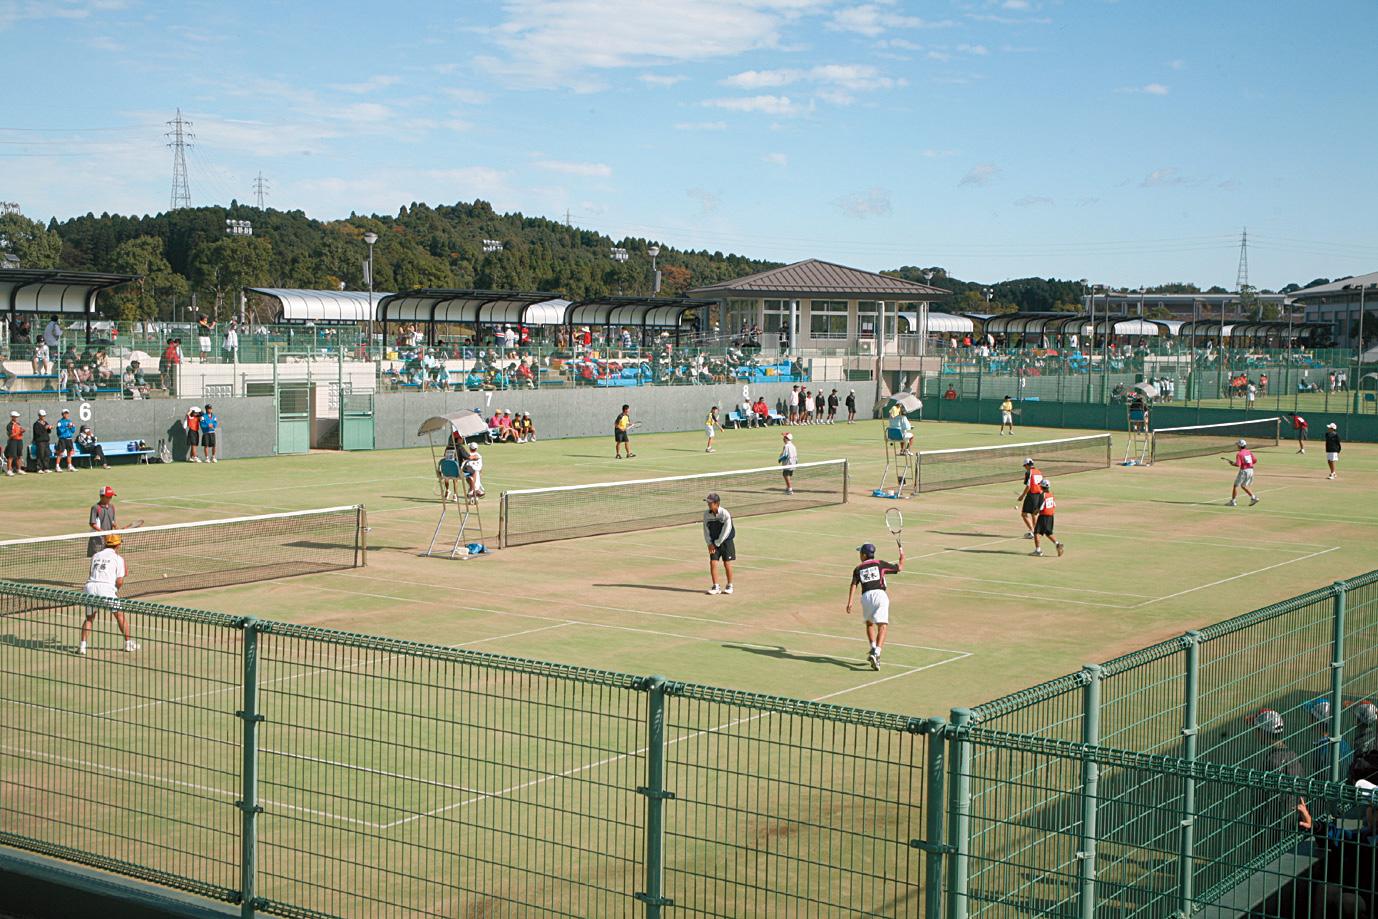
320, 305
41, 290
941, 322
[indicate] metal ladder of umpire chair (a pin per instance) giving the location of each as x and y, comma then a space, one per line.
450, 475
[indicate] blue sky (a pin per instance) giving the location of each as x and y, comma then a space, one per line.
1124, 142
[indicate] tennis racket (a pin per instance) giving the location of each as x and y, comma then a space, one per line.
133, 526
894, 522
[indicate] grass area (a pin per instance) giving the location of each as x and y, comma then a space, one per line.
1151, 552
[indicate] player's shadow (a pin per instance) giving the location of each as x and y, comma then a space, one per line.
35, 644
677, 590
978, 535
985, 551
780, 652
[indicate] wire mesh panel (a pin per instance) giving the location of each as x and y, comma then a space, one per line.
124, 759
404, 780
194, 556
570, 511
791, 809
965, 466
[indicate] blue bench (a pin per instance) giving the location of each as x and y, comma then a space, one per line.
115, 448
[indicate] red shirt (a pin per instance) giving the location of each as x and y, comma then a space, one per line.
1299, 423
1049, 506
1035, 480
1244, 459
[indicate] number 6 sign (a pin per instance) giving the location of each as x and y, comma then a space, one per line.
84, 411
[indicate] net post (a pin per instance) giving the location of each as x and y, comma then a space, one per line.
845, 475
1090, 779
959, 816
248, 803
655, 794
361, 539
1186, 876
502, 521
1337, 677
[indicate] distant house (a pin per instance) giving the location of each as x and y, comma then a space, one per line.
1339, 303
833, 305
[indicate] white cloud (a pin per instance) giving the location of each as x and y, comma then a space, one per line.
465, 96
1160, 178
592, 170
977, 50
779, 106
701, 126
708, 202
1010, 20
1034, 201
902, 44
763, 79
661, 79
15, 11
776, 159
1177, 64
874, 19
934, 154
874, 202
839, 80
981, 174
836, 96
372, 84
568, 43
1015, 5
939, 56
1148, 89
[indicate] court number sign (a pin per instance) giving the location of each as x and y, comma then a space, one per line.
84, 411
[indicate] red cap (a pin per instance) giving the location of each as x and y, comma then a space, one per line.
107, 492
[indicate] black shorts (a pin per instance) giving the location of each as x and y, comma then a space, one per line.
65, 445
1044, 525
14, 449
620, 437
727, 552
1030, 504
193, 438
208, 438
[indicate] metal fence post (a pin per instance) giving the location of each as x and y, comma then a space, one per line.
934, 845
1186, 874
655, 795
959, 823
248, 795
1090, 777
1337, 679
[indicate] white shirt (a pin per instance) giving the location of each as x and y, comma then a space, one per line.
231, 340
52, 334
789, 456
107, 567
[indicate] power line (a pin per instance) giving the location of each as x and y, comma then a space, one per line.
180, 140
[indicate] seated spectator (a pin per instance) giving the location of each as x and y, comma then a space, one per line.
762, 411
528, 429
474, 380
525, 378
506, 432
135, 387
90, 446
951, 393
42, 359
70, 355
100, 366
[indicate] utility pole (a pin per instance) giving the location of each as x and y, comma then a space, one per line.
179, 139
260, 189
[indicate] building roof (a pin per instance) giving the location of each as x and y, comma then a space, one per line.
1349, 286
320, 305
816, 278
43, 290
646, 312
468, 306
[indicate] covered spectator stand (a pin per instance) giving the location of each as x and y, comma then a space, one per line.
47, 292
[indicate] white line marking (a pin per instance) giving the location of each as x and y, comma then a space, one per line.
1236, 577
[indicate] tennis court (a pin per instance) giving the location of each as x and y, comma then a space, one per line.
376, 755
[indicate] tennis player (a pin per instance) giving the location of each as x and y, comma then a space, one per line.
1047, 507
1300, 425
108, 572
1244, 461
720, 535
622, 433
1029, 497
875, 602
789, 458
710, 426
1332, 447
1007, 416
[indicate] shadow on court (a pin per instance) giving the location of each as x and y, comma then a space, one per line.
978, 535
677, 590
988, 551
780, 652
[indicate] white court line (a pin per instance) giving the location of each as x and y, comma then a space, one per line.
106, 768
1236, 577
600, 607
621, 756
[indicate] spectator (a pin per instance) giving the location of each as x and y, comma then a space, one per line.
52, 334
100, 368
87, 443
210, 425
191, 423
133, 382
231, 344
951, 394
528, 429
42, 441
762, 411
14, 446
66, 437
505, 432
204, 327
42, 359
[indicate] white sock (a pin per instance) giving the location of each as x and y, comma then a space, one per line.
83, 646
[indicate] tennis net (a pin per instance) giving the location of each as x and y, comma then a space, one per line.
1205, 439
962, 467
207, 553
568, 512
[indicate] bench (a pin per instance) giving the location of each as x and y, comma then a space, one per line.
113, 449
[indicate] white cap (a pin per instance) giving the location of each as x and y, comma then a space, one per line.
42, 412
789, 436
1241, 442
1330, 426
14, 414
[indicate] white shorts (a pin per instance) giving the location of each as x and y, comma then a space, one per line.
204, 342
1006, 418
875, 607
1244, 478
106, 591
708, 429
1333, 457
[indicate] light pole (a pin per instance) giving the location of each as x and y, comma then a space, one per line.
654, 251
1359, 363
370, 238
238, 228
923, 318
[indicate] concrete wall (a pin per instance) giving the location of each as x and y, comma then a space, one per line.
248, 427
584, 412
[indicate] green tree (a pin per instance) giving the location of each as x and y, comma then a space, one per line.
221, 268
143, 256
28, 240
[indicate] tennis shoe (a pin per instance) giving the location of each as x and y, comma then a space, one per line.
1253, 500
1232, 503
131, 646
1029, 535
1331, 476
874, 660
727, 589
714, 590
1037, 552
1059, 550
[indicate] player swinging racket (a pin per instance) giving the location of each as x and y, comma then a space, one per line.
875, 602
108, 572
1245, 462
710, 426
1029, 497
1300, 425
1047, 507
720, 535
